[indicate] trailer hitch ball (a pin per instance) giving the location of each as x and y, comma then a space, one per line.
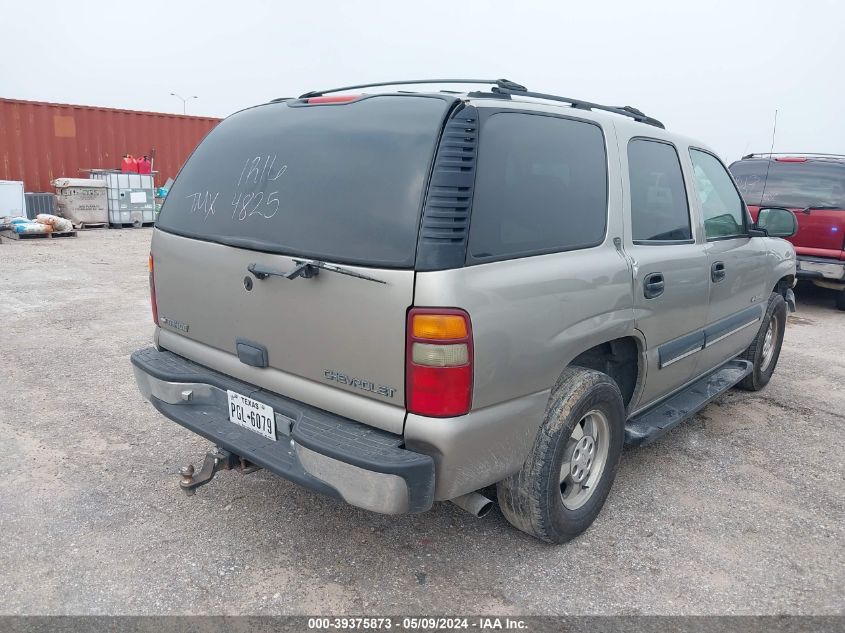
187, 473
216, 459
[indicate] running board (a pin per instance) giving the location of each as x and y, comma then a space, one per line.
646, 427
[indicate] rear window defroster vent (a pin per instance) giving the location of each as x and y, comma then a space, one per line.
445, 221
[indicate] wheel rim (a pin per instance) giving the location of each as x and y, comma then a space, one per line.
584, 459
769, 344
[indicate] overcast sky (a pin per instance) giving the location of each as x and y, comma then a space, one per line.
711, 69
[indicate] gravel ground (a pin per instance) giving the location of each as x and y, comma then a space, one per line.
738, 511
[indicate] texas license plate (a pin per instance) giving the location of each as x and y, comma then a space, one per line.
252, 415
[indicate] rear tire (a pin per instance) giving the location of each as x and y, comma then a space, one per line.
764, 350
840, 300
567, 476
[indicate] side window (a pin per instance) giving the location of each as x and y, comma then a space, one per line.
659, 206
541, 187
724, 215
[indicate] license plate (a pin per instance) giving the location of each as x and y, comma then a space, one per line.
252, 415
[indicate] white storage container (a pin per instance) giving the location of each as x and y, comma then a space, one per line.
12, 203
131, 197
81, 200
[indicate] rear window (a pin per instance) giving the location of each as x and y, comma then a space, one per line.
344, 183
541, 187
791, 184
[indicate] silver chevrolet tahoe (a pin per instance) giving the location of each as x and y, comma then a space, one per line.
396, 298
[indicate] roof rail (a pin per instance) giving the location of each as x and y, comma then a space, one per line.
628, 111
797, 154
504, 87
501, 83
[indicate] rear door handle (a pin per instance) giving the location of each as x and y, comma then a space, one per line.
717, 271
653, 285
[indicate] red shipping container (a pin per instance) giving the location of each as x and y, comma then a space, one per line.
43, 141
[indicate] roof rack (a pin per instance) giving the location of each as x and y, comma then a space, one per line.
797, 154
505, 87
501, 83
628, 111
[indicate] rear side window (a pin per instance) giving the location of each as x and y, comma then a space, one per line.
721, 205
659, 206
541, 187
791, 183
342, 183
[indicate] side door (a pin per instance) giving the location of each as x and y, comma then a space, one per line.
669, 265
738, 264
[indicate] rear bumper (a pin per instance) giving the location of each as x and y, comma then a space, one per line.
319, 450
821, 269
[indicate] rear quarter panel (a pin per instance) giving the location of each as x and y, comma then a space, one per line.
532, 316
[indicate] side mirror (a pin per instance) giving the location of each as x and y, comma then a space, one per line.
777, 221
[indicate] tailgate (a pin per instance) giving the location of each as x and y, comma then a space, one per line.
821, 229
340, 185
821, 232
335, 331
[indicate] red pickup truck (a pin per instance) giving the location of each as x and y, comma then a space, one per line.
813, 187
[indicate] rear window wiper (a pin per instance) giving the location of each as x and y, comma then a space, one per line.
337, 269
821, 207
307, 268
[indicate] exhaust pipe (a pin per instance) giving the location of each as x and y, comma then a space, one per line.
475, 503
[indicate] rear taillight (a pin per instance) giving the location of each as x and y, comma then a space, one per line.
153, 303
438, 362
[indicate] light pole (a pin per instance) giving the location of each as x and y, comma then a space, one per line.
184, 100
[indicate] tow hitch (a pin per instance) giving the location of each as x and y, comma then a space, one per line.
216, 459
